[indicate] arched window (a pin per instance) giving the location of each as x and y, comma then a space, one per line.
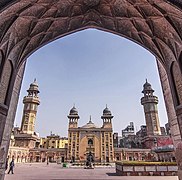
90, 142
177, 82
180, 61
1, 58
5, 80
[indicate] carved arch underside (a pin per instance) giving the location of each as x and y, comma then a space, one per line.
27, 25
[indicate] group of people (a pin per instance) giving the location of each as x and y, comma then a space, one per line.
11, 166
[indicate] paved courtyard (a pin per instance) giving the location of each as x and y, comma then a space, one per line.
55, 172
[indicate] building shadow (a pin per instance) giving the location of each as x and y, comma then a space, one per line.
111, 174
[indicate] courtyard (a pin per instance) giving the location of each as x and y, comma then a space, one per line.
38, 171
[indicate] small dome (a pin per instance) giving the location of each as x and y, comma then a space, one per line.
90, 124
34, 86
147, 86
73, 111
106, 111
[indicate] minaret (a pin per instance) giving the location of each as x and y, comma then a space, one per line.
73, 147
31, 102
107, 118
149, 102
73, 118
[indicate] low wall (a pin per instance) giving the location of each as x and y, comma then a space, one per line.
146, 169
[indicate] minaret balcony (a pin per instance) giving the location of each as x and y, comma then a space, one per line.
29, 99
149, 99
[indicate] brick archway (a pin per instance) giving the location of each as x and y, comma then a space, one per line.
27, 25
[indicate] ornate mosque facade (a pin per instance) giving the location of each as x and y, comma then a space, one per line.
83, 141
90, 138
28, 25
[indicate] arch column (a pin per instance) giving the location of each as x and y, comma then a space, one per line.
7, 120
179, 115
3, 115
171, 113
174, 117
178, 152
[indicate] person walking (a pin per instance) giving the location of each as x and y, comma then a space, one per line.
11, 166
6, 163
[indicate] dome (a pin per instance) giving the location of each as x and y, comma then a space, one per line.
73, 111
34, 86
90, 124
106, 111
147, 87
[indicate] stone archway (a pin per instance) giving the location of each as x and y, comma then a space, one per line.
27, 25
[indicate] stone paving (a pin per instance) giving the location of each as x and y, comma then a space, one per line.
55, 172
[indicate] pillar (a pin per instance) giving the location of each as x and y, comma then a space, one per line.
174, 117
7, 117
171, 113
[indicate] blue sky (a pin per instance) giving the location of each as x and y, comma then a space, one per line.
90, 68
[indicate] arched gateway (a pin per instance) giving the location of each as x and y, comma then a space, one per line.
27, 25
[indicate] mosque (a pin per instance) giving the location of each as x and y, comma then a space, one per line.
90, 139
86, 140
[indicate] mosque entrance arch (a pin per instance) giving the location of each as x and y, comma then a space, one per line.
26, 26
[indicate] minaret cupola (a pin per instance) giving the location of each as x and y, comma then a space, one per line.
107, 118
73, 118
147, 89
